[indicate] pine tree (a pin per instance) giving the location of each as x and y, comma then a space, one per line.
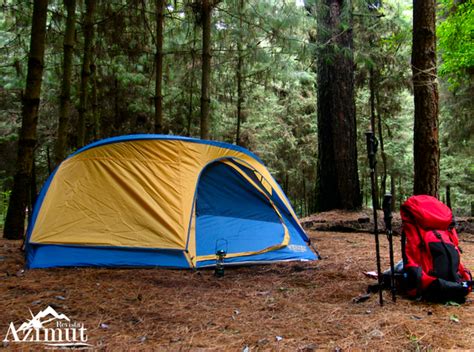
65, 98
86, 73
206, 14
338, 180
425, 87
15, 220
160, 4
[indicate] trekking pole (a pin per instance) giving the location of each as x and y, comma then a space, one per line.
387, 217
371, 152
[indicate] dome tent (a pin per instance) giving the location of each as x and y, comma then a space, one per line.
155, 200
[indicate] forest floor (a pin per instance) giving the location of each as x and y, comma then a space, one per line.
280, 307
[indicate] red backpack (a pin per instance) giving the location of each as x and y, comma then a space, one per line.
431, 256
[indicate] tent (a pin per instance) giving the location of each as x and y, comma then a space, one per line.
155, 200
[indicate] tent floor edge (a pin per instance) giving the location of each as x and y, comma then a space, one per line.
50, 256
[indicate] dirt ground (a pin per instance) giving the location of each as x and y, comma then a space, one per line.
282, 307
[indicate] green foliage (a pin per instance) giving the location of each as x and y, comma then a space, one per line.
14, 21
456, 46
456, 42
382, 51
276, 41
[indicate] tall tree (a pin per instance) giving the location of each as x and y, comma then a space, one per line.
373, 119
65, 98
338, 181
95, 123
206, 14
383, 154
239, 78
190, 83
15, 220
86, 72
160, 5
425, 87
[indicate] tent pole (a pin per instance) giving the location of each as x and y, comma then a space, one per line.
371, 152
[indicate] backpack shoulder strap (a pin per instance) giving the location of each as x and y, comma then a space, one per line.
452, 233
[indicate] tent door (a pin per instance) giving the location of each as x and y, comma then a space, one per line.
234, 214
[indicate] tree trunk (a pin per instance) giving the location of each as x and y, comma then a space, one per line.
383, 185
117, 115
33, 190
15, 220
448, 196
426, 142
48, 159
372, 127
160, 5
305, 201
96, 126
362, 187
65, 98
206, 10
338, 181
240, 61
400, 191
392, 191
86, 72
191, 84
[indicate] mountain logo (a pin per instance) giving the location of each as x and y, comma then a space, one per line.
51, 328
